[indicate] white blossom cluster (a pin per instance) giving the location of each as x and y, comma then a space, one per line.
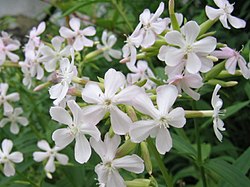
187, 56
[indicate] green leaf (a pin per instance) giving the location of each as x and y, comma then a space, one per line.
227, 172
243, 162
183, 146
81, 4
235, 108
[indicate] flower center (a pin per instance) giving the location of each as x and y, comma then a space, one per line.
163, 122
74, 130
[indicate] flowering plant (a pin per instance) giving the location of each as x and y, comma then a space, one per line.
159, 125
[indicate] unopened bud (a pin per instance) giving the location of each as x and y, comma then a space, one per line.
138, 183
146, 157
131, 113
215, 70
198, 113
41, 86
74, 92
142, 82
125, 149
222, 83
78, 80
205, 26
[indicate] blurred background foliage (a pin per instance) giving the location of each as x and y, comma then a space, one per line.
121, 17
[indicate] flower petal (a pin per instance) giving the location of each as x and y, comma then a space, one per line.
7, 146
166, 96
16, 157
50, 165
132, 163
60, 115
140, 130
62, 137
92, 93
236, 22
9, 169
82, 149
120, 121
191, 31
193, 63
40, 156
62, 158
163, 141
177, 117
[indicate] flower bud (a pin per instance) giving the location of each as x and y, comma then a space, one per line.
205, 26
146, 157
215, 70
138, 183
173, 18
125, 148
131, 113
222, 83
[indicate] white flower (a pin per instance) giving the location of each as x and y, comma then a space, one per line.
107, 170
66, 73
217, 103
162, 118
108, 101
78, 36
233, 57
140, 72
14, 119
50, 56
51, 154
76, 129
109, 41
190, 51
224, 14
133, 41
152, 25
6, 50
8, 159
5, 98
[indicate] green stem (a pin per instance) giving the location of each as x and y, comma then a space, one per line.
26, 178
199, 153
122, 14
167, 177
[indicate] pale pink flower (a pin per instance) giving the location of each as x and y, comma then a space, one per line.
8, 159
153, 25
108, 101
50, 155
188, 49
107, 170
14, 119
6, 50
50, 56
77, 36
184, 81
109, 41
4, 99
217, 103
162, 118
34, 38
77, 128
6, 38
233, 58
224, 14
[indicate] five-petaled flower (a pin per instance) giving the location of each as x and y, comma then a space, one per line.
77, 129
224, 14
51, 154
107, 170
8, 159
161, 118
